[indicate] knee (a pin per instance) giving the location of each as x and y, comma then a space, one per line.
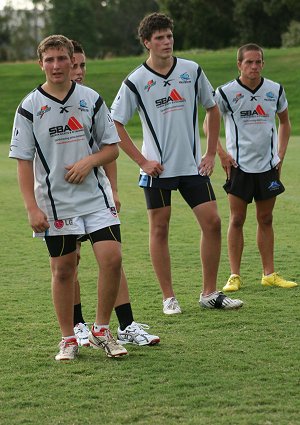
63, 273
237, 220
160, 230
113, 261
265, 219
215, 224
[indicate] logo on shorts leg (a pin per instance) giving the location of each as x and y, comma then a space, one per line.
274, 185
59, 224
113, 211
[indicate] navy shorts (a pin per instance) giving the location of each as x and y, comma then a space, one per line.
257, 186
195, 190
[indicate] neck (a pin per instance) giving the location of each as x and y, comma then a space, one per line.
57, 90
252, 84
160, 65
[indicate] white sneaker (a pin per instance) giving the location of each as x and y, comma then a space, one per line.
219, 300
136, 334
171, 306
68, 350
104, 340
81, 332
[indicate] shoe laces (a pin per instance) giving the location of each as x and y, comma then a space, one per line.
172, 303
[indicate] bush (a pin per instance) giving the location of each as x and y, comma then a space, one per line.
291, 38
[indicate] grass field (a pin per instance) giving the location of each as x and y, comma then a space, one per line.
211, 367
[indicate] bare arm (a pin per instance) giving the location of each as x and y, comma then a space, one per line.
112, 175
37, 219
226, 160
284, 131
152, 168
78, 171
212, 130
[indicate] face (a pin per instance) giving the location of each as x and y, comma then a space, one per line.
251, 66
79, 69
57, 64
161, 44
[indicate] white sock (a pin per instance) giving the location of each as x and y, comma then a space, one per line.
65, 338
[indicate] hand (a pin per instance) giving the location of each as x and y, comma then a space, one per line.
152, 168
38, 220
78, 171
227, 162
206, 166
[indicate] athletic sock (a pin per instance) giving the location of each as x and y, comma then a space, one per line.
124, 315
97, 328
78, 318
66, 338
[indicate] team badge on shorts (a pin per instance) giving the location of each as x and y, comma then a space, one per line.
59, 224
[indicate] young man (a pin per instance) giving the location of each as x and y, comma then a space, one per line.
254, 159
165, 91
63, 133
129, 331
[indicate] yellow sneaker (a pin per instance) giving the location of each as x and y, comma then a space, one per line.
275, 280
234, 283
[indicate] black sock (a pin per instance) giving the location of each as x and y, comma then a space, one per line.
124, 315
78, 318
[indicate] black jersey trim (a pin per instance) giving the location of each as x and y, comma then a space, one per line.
101, 187
195, 110
132, 87
25, 113
44, 162
235, 126
62, 102
161, 75
279, 95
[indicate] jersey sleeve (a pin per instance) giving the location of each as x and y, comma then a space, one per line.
282, 101
22, 141
206, 92
220, 101
104, 129
125, 103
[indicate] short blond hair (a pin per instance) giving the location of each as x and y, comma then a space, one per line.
56, 41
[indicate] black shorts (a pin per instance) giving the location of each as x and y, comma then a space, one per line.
195, 190
65, 244
260, 186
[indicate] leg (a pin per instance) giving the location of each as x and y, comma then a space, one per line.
210, 223
159, 219
108, 255
123, 294
63, 272
265, 233
235, 237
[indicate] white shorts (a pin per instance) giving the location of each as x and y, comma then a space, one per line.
82, 225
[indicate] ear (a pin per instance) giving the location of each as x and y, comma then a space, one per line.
41, 65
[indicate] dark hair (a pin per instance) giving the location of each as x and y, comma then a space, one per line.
77, 47
56, 41
151, 23
247, 48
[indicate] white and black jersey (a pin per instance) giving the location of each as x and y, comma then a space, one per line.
250, 123
55, 134
168, 109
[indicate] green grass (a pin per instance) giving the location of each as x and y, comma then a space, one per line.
211, 367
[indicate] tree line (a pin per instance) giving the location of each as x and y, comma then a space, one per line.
109, 27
